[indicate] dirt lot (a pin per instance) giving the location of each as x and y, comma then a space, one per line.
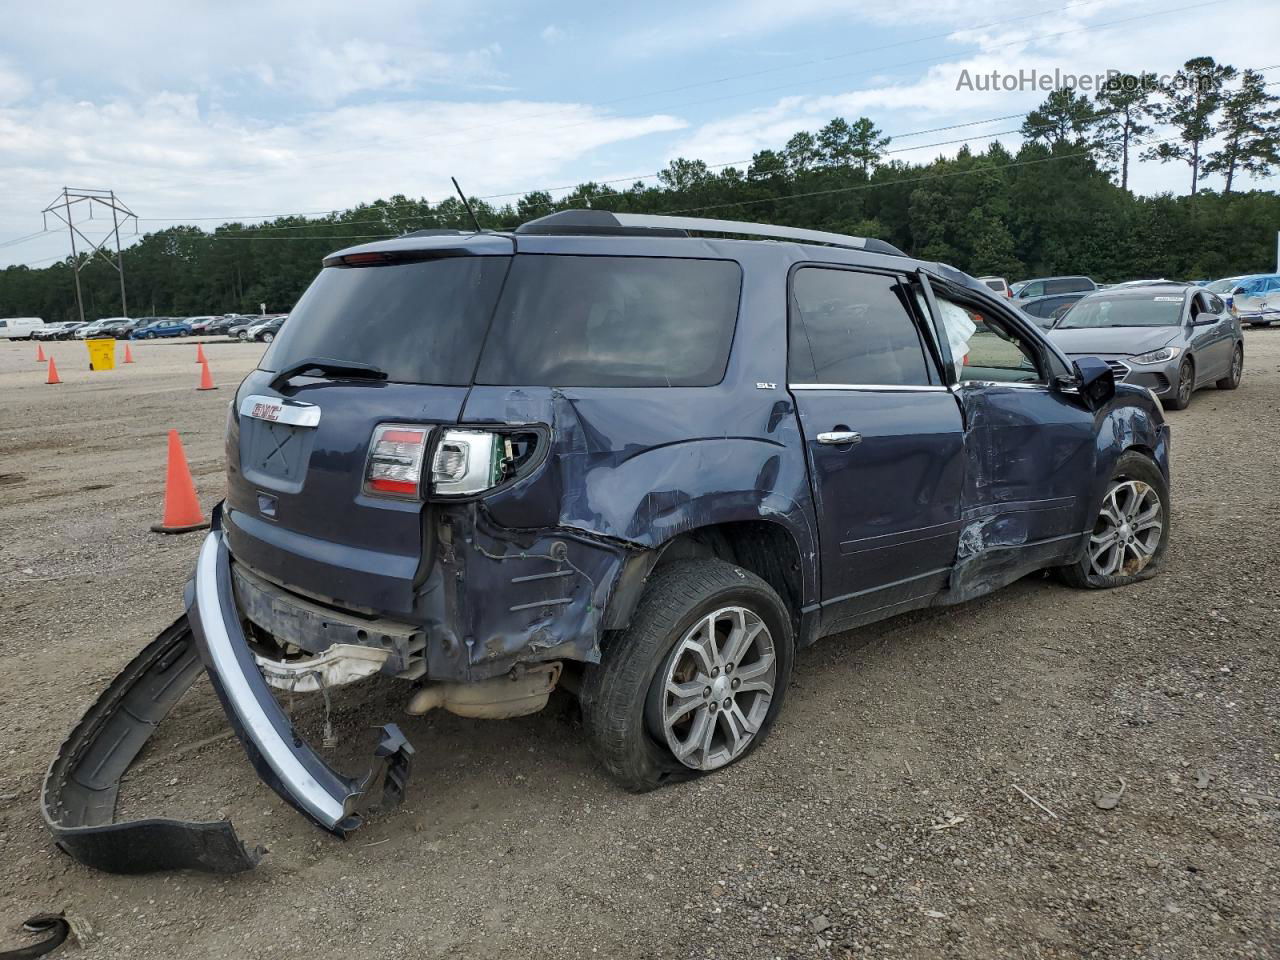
881, 819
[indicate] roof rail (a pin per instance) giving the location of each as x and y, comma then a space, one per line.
642, 224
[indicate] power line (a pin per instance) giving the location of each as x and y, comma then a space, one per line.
27, 239
779, 199
629, 179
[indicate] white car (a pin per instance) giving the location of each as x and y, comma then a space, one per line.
19, 328
90, 330
999, 284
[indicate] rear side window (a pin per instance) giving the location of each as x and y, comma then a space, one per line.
420, 322
851, 328
1067, 285
567, 321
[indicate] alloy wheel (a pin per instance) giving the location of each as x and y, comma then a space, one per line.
718, 687
1237, 365
1128, 530
1186, 378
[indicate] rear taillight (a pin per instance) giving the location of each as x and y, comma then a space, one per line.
466, 461
395, 461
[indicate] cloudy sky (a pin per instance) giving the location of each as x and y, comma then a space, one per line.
200, 112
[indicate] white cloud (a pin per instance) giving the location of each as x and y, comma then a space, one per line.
165, 156
931, 99
13, 85
552, 34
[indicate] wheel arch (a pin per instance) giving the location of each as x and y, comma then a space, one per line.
769, 548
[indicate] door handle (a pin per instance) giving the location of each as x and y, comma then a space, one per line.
840, 438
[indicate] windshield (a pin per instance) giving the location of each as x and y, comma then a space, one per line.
1154, 311
1224, 286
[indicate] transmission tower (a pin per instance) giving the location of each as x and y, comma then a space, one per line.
64, 209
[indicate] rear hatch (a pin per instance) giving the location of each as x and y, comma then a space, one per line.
462, 334
297, 448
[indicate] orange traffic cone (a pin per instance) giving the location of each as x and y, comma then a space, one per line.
181, 508
40, 353
128, 354
200, 353
206, 378
53, 373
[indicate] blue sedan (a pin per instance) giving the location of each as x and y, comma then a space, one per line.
168, 327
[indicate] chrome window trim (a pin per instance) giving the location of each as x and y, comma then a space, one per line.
1001, 383
870, 387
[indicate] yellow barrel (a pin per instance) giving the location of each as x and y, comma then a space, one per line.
102, 354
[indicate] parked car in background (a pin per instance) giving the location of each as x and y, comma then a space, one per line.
55, 331
1043, 286
19, 328
1047, 310
94, 328
1224, 286
999, 284
1172, 339
201, 324
162, 327
118, 328
220, 325
266, 332
240, 329
1256, 300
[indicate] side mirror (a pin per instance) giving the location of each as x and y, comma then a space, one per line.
1097, 384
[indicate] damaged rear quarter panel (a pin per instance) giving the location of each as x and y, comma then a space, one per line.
630, 469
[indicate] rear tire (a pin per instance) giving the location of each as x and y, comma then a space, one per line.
1124, 547
1181, 398
687, 618
1232, 379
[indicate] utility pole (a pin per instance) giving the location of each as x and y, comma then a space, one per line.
62, 209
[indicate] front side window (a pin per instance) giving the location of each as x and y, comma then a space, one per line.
985, 347
851, 328
1033, 290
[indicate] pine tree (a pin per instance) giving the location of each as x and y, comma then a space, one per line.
1251, 127
1189, 102
1064, 117
1125, 103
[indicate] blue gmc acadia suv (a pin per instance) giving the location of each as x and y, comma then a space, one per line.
644, 459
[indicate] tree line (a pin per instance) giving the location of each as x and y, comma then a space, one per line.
1059, 204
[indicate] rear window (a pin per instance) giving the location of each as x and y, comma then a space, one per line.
1068, 285
997, 285
567, 321
420, 322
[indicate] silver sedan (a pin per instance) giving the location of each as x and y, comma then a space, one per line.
1171, 338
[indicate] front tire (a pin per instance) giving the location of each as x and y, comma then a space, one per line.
697, 679
1232, 379
1181, 398
1131, 532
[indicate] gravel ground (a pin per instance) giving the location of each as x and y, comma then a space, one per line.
881, 819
